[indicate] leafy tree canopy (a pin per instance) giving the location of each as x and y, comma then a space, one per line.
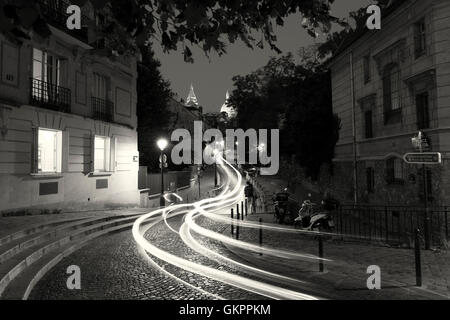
209, 24
153, 114
354, 27
295, 97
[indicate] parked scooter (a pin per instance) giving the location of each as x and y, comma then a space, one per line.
313, 218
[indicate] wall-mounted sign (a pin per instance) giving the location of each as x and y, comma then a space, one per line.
423, 158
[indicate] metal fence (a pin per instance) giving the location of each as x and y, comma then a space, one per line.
47, 95
394, 225
102, 109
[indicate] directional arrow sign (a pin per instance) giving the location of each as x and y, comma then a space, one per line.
423, 158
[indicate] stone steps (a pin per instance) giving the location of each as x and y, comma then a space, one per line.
21, 271
34, 229
22, 286
14, 247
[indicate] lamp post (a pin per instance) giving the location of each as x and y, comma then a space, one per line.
162, 144
421, 142
199, 173
218, 148
215, 168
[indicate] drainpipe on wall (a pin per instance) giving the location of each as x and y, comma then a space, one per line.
355, 162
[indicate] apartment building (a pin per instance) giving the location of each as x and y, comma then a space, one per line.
388, 85
67, 120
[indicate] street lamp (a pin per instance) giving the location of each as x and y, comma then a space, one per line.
216, 153
162, 144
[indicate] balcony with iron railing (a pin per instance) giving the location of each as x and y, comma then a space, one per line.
49, 96
102, 109
55, 12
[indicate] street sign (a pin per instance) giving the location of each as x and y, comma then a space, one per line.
165, 165
164, 157
423, 158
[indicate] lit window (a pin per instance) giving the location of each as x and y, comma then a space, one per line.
49, 151
47, 79
101, 154
46, 67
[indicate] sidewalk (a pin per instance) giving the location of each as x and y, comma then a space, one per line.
345, 277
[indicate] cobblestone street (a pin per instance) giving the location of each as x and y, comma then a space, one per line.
112, 268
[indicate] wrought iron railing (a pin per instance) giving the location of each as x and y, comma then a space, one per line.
55, 12
393, 224
102, 109
46, 95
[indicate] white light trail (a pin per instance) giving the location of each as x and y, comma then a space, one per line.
225, 198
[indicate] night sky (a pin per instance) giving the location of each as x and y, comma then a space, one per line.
212, 78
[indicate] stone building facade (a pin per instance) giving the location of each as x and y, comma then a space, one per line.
401, 80
67, 121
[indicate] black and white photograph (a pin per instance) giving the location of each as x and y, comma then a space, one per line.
225, 155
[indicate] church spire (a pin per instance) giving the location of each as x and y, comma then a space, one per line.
191, 100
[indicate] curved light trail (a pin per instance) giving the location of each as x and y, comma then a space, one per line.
228, 197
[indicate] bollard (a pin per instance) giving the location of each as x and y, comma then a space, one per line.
418, 259
320, 253
246, 207
242, 210
237, 224
260, 235
232, 225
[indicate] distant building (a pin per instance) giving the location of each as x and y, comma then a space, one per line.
182, 117
67, 120
401, 86
192, 103
227, 109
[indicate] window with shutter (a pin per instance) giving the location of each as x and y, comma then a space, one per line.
102, 154
49, 151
